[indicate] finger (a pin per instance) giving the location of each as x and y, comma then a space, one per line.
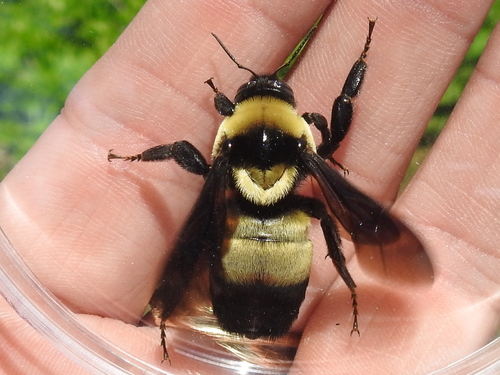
24, 350
456, 194
414, 54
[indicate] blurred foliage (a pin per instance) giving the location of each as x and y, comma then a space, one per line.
457, 85
453, 92
48, 45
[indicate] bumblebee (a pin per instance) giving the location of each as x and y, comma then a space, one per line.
250, 224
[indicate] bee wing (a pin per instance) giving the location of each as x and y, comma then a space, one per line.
200, 235
384, 245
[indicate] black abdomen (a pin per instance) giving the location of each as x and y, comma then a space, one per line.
259, 282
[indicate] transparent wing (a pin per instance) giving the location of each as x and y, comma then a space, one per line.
385, 246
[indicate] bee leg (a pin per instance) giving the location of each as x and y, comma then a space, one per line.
332, 238
325, 148
163, 343
183, 153
342, 110
222, 103
320, 123
315, 208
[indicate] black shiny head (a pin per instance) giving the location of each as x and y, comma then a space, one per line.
263, 147
265, 85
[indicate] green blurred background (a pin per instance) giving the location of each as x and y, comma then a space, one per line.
46, 46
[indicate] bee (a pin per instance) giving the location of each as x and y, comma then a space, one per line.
250, 224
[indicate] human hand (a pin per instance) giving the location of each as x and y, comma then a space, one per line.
97, 235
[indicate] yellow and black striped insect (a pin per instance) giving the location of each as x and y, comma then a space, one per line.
250, 225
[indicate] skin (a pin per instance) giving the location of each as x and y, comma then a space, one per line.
97, 234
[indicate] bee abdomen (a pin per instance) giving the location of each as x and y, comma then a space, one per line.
274, 252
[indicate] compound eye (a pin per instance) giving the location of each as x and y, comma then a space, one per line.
227, 146
301, 145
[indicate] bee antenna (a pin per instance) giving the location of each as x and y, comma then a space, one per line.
232, 57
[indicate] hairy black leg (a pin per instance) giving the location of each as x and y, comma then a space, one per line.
183, 153
342, 110
320, 123
163, 342
222, 103
325, 148
315, 208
